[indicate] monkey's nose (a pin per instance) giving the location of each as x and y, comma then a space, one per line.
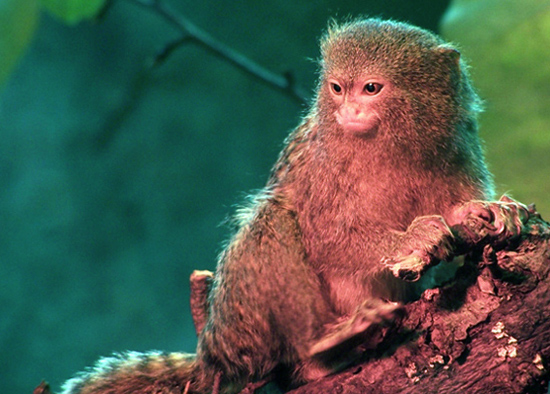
350, 112
350, 109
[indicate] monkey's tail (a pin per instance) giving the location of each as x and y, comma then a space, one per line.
143, 373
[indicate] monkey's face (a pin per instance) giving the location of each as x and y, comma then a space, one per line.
356, 104
391, 82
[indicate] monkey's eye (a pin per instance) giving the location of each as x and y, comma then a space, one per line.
372, 88
336, 89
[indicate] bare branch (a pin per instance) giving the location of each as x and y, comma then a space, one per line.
190, 32
169, 49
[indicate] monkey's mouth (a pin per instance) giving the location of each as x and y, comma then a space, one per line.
361, 123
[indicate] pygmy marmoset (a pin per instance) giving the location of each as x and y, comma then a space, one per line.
370, 190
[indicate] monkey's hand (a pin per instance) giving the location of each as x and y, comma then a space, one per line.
361, 328
482, 222
427, 241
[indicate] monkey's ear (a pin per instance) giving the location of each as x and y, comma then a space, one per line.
450, 53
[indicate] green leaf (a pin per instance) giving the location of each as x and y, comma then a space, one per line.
18, 19
74, 11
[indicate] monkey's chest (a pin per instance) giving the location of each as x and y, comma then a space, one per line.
347, 208
344, 226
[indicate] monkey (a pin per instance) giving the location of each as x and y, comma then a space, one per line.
384, 177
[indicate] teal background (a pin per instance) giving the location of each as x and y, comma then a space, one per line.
105, 207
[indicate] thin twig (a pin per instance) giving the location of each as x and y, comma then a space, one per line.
168, 49
190, 32
118, 115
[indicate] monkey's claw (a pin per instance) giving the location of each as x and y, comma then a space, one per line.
494, 222
408, 268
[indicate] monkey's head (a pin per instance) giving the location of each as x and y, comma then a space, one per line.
381, 77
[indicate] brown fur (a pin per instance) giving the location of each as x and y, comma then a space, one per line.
303, 273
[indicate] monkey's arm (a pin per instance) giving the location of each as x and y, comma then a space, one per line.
431, 239
427, 241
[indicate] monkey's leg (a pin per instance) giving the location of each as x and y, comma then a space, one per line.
427, 241
267, 305
359, 329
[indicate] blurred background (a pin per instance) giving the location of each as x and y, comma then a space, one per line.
116, 178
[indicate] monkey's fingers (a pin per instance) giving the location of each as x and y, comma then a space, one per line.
408, 268
493, 222
510, 216
473, 222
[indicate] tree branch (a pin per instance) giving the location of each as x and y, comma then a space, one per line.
191, 33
